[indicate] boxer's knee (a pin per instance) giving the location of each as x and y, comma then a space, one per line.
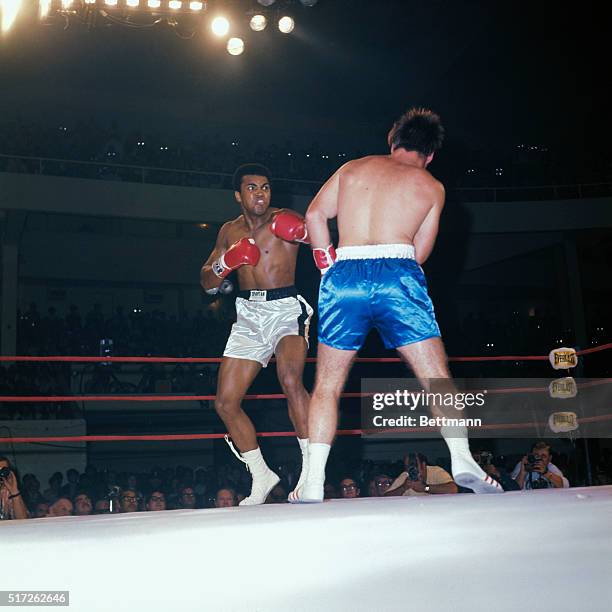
326, 390
291, 382
227, 407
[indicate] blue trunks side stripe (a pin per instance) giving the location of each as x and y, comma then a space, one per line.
388, 294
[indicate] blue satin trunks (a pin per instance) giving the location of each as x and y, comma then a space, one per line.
386, 292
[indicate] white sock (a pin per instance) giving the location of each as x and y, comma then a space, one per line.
303, 442
257, 464
457, 441
317, 458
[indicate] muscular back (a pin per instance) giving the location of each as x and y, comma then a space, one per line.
382, 201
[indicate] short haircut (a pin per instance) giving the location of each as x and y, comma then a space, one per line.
420, 456
230, 489
150, 495
349, 477
242, 171
541, 445
419, 129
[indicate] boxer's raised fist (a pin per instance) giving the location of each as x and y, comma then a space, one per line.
243, 252
289, 227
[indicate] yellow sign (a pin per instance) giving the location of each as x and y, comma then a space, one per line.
563, 422
563, 358
563, 388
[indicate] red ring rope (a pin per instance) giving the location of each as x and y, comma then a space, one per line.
75, 359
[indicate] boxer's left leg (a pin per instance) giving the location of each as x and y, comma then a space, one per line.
429, 363
290, 358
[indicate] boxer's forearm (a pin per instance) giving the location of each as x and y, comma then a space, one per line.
208, 279
318, 230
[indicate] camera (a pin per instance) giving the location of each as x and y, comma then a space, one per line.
531, 461
413, 468
5, 472
485, 458
540, 483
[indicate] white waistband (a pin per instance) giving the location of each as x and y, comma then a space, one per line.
376, 251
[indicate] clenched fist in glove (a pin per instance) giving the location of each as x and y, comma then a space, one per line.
244, 252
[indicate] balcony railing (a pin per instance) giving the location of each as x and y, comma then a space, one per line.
220, 180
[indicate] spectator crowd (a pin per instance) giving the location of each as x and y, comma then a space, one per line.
108, 492
527, 164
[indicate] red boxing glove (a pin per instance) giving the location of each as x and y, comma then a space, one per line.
324, 258
244, 252
289, 227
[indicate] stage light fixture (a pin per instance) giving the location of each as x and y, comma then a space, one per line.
235, 46
258, 23
43, 8
175, 5
286, 24
110, 2
132, 3
154, 4
9, 10
220, 26
195, 5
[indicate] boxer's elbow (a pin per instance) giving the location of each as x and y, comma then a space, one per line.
315, 217
208, 279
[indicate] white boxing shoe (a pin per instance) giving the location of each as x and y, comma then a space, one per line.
467, 473
293, 496
308, 493
262, 485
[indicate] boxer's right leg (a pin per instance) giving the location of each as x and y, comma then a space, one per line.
333, 366
235, 378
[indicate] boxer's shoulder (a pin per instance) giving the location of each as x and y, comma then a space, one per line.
233, 230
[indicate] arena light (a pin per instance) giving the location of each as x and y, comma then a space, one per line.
266, 2
220, 26
258, 23
309, 3
235, 46
43, 8
195, 5
286, 24
10, 10
90, 1
175, 5
66, 4
132, 3
110, 2
153, 4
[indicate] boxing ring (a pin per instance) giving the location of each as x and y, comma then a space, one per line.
550, 549
546, 549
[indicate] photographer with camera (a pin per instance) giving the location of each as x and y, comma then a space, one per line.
535, 471
484, 459
12, 505
421, 479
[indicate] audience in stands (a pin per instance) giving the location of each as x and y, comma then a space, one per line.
419, 478
170, 488
536, 470
111, 150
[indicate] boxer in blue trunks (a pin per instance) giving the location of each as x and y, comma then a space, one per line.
388, 210
378, 286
